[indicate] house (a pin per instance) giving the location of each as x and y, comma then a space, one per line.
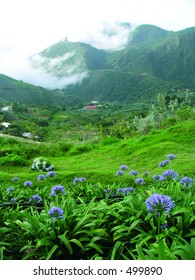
27, 135
5, 124
94, 102
91, 107
6, 108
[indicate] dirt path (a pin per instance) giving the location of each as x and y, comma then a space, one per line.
3, 135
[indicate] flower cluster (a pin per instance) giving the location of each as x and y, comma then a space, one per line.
10, 190
108, 191
170, 174
15, 179
56, 190
158, 178
123, 167
159, 203
41, 177
139, 181
167, 161
164, 163
133, 173
79, 180
125, 190
51, 174
35, 199
28, 183
56, 213
120, 173
42, 164
171, 156
186, 181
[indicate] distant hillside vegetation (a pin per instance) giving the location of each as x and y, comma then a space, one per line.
154, 61
12, 90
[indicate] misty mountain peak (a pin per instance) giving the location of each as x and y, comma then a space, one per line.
147, 33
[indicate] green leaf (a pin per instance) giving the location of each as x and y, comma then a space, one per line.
82, 222
53, 249
46, 241
99, 232
1, 252
141, 255
161, 250
178, 211
118, 245
96, 247
134, 224
66, 242
77, 242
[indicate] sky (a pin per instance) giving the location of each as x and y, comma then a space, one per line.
29, 26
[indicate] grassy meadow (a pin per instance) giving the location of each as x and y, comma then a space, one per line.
111, 198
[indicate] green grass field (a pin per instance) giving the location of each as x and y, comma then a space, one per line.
96, 219
99, 162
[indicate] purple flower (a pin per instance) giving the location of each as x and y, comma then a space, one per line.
159, 203
164, 226
9, 190
57, 190
139, 181
186, 181
123, 167
119, 173
41, 177
146, 174
108, 191
51, 174
56, 213
49, 168
125, 190
15, 179
35, 199
13, 199
170, 174
164, 163
158, 178
28, 183
79, 180
171, 156
133, 173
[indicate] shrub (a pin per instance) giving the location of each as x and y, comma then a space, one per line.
42, 164
110, 140
13, 160
80, 149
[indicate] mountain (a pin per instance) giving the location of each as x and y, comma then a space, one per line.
153, 61
147, 34
12, 90
65, 59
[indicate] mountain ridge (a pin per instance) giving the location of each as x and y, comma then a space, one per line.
154, 60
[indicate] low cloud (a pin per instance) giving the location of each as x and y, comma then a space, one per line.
19, 63
109, 36
14, 65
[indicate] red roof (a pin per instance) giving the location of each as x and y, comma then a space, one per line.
91, 107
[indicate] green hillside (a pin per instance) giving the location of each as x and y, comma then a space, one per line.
66, 58
153, 61
147, 35
120, 86
12, 91
169, 57
99, 162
